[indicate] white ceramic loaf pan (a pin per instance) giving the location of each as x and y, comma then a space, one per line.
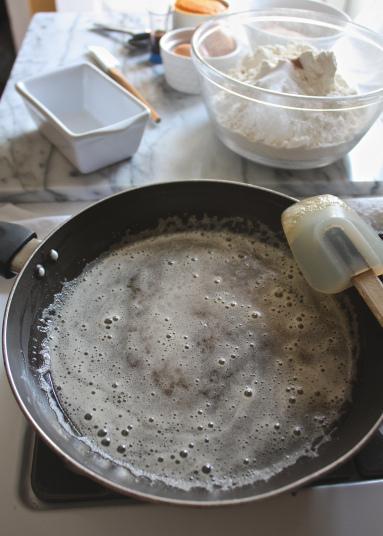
92, 120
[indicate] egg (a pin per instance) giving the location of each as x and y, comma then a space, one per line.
218, 43
183, 49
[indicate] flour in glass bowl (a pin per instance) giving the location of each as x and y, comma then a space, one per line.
290, 133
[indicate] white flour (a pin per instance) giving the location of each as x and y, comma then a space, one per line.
295, 69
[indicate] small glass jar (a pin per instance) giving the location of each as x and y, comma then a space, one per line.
159, 25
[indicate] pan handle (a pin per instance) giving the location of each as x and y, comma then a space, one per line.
16, 244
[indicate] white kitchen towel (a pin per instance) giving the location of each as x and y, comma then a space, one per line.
41, 225
370, 208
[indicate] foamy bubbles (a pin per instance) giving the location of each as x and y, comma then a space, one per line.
199, 357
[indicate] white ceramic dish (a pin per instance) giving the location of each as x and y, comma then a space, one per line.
92, 120
180, 72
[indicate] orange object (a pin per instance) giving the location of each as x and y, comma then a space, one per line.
201, 7
184, 49
37, 6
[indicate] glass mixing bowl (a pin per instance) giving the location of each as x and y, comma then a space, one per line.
279, 128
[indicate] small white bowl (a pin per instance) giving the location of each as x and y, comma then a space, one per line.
91, 119
180, 72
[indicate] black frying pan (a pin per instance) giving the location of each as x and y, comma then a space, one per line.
92, 232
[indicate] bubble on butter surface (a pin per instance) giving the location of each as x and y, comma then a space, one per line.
199, 356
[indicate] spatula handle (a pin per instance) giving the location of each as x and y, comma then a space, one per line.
117, 75
370, 288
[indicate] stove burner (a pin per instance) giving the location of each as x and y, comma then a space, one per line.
55, 483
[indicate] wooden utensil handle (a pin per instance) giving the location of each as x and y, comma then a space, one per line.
117, 75
370, 288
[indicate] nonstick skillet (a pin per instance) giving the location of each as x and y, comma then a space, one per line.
62, 257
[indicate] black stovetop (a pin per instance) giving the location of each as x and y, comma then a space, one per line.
54, 482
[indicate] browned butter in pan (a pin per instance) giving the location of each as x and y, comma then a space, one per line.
197, 355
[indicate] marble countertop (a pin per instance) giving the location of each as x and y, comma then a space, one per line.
183, 146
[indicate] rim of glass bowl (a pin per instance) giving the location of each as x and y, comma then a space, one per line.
290, 100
